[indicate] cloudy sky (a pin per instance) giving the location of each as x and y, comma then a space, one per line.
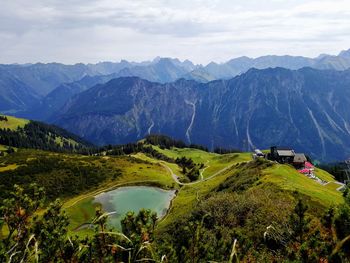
72, 31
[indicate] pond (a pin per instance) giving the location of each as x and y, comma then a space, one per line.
133, 198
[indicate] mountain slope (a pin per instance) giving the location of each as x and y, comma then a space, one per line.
340, 62
305, 109
55, 100
125, 109
22, 133
37, 91
15, 95
43, 78
26, 89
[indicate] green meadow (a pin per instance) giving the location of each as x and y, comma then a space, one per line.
13, 123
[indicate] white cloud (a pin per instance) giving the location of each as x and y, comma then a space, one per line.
201, 30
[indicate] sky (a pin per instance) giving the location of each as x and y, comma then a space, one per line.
90, 31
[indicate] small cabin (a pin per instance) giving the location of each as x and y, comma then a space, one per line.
282, 154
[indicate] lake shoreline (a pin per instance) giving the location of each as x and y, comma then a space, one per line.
140, 195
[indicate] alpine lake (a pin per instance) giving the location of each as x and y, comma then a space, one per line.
120, 201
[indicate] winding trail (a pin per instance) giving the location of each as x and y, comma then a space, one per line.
201, 173
176, 178
338, 183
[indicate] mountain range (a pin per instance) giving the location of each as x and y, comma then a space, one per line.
306, 109
242, 64
245, 103
37, 81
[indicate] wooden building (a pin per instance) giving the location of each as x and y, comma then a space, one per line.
281, 154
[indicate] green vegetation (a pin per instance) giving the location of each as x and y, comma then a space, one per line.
166, 142
256, 211
338, 170
288, 178
12, 123
31, 238
5, 167
269, 223
67, 175
61, 175
323, 175
239, 219
32, 134
332, 186
212, 162
80, 213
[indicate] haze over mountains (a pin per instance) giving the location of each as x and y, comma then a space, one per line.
40, 79
285, 100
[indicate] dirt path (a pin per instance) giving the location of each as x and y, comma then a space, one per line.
201, 173
176, 178
341, 185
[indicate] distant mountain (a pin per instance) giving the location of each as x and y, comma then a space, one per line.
53, 84
55, 100
340, 62
200, 75
15, 95
43, 78
243, 64
107, 68
160, 70
306, 109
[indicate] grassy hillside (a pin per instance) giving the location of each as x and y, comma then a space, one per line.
213, 162
220, 168
77, 178
3, 148
239, 196
66, 175
62, 174
282, 177
23, 133
288, 178
12, 123
245, 202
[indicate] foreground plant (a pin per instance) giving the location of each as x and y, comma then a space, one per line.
45, 238
17, 215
